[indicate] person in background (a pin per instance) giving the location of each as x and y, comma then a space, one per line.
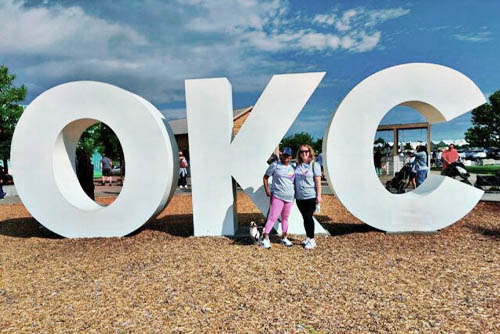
282, 194
433, 159
307, 190
421, 166
273, 158
439, 156
319, 159
183, 172
377, 159
2, 180
106, 165
410, 159
449, 156
85, 172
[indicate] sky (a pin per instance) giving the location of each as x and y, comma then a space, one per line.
150, 47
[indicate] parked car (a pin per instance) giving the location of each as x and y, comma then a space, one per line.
493, 153
475, 154
116, 170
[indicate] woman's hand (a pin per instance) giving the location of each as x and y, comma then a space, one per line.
319, 199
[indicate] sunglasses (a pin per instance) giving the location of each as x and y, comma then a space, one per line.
305, 151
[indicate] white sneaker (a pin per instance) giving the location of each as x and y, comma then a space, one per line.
311, 244
305, 241
265, 243
286, 242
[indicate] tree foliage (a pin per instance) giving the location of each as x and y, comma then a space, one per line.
10, 111
303, 138
99, 137
485, 131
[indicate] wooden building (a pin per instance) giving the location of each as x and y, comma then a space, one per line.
180, 129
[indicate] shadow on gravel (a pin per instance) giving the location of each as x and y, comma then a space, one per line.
336, 229
25, 228
487, 232
176, 225
182, 225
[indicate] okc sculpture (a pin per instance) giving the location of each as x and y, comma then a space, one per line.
51, 125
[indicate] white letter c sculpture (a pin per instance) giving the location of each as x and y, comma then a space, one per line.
43, 152
440, 94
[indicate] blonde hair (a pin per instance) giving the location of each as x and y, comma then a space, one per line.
299, 160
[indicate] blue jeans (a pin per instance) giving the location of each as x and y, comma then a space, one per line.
421, 176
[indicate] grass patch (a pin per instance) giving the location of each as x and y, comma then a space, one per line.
483, 169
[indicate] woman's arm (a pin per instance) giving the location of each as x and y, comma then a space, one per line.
317, 181
266, 185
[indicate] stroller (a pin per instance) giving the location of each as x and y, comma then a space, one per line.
398, 184
457, 169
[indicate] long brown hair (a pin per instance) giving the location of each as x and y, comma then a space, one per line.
299, 160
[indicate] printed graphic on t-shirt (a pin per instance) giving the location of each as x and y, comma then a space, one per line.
303, 171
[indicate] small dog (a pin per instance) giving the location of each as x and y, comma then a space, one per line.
254, 232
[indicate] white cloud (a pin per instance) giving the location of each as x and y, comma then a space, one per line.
59, 30
367, 42
344, 24
355, 29
313, 40
234, 17
326, 19
378, 16
358, 17
200, 38
483, 36
265, 27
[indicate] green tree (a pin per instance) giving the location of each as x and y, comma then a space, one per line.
101, 138
485, 131
10, 111
294, 141
318, 145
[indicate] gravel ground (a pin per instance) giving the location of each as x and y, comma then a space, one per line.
160, 280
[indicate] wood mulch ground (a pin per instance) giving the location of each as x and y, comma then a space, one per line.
161, 280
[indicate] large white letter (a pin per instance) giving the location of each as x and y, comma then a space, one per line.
215, 158
43, 152
440, 94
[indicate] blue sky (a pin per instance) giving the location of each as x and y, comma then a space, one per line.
150, 47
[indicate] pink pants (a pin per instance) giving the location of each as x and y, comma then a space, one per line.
278, 207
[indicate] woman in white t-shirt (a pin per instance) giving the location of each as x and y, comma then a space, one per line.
307, 190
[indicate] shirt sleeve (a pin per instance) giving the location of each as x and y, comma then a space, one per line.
317, 169
270, 170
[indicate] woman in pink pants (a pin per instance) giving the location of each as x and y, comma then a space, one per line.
282, 195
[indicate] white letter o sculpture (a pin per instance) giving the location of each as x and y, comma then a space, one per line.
440, 94
43, 151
